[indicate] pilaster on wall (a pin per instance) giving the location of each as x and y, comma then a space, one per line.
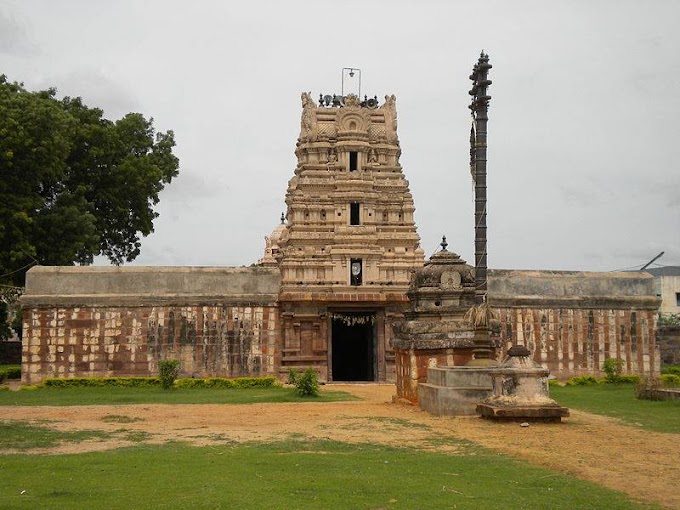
100, 321
572, 342
573, 321
209, 341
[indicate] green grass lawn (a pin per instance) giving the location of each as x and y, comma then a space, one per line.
23, 436
618, 401
290, 475
117, 395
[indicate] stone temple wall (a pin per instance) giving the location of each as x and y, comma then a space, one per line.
573, 321
570, 321
96, 322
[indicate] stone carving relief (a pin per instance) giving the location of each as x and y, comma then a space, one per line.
451, 280
332, 157
326, 130
377, 133
308, 120
390, 111
373, 157
353, 118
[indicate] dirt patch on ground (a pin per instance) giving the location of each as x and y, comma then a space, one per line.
644, 465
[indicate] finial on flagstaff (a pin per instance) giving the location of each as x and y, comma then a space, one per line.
283, 218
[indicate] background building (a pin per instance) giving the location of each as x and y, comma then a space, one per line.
667, 285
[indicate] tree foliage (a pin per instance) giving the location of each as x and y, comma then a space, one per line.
73, 184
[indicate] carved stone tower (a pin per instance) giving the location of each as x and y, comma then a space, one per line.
350, 241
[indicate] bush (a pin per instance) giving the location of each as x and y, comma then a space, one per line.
307, 384
98, 382
669, 319
612, 368
13, 372
627, 378
582, 380
292, 376
671, 369
10, 372
648, 389
670, 380
168, 370
222, 382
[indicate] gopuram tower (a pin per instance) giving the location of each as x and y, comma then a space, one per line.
349, 243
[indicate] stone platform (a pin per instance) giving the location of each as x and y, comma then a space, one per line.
454, 391
544, 413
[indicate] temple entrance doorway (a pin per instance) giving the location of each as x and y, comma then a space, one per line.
353, 346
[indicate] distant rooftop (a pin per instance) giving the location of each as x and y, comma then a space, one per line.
664, 271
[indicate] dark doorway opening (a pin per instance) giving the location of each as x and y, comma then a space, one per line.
354, 213
353, 161
353, 346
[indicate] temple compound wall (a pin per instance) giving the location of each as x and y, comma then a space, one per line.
229, 322
114, 321
573, 321
570, 321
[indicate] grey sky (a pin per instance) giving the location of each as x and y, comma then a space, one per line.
584, 139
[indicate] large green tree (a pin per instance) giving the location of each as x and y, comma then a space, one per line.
73, 184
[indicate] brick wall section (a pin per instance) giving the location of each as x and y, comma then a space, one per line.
215, 341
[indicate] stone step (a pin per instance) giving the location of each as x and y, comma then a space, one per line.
451, 401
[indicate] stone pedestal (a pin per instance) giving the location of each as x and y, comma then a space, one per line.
454, 391
520, 391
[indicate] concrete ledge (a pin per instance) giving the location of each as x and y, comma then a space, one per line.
460, 377
523, 413
571, 289
136, 300
139, 286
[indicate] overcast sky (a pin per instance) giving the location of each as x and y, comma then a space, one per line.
584, 131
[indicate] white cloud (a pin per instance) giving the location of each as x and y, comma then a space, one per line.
582, 137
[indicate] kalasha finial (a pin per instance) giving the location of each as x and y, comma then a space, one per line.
283, 218
444, 244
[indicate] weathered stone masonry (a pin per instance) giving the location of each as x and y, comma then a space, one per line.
570, 321
573, 321
93, 322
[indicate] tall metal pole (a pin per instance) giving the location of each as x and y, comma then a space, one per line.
479, 108
482, 350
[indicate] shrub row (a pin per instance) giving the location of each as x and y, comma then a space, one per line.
672, 369
145, 382
10, 372
670, 379
222, 382
589, 380
98, 382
